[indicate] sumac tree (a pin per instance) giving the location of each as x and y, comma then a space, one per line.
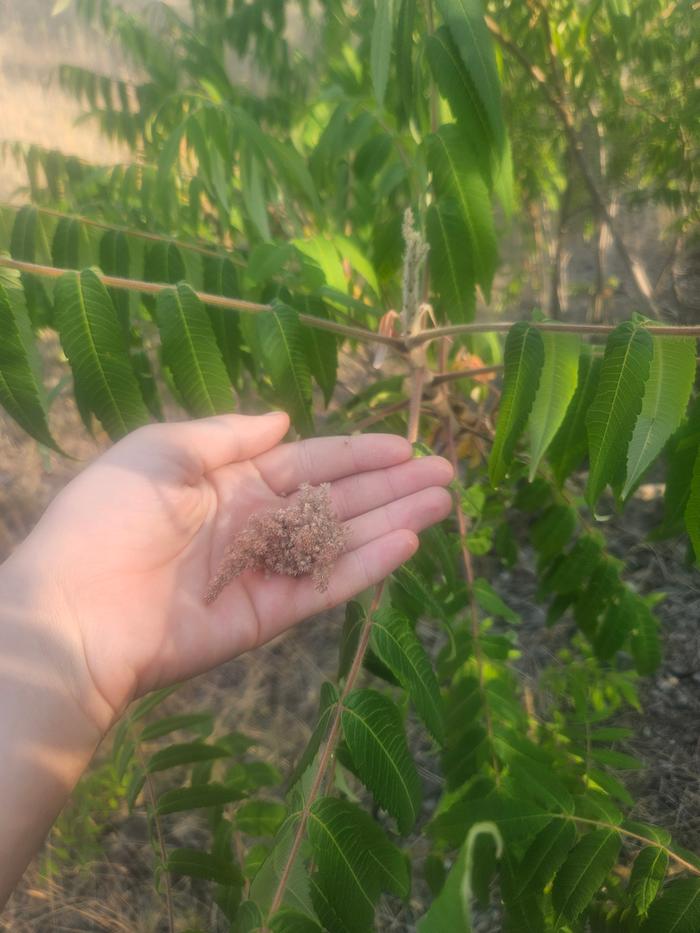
352, 204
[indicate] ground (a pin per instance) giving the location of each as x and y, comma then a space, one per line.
272, 693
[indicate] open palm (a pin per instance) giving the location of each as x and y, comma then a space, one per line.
138, 535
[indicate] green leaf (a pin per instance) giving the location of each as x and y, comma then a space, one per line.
397, 645
320, 346
645, 644
666, 395
570, 445
185, 753
95, 344
523, 360
65, 246
691, 515
457, 175
375, 737
194, 798
465, 20
260, 817
556, 389
22, 392
355, 618
191, 352
451, 909
452, 275
648, 873
545, 855
355, 861
455, 84
584, 872
552, 531
198, 864
201, 723
491, 602
163, 263
291, 921
611, 418
677, 910
576, 567
29, 242
220, 278
404, 55
267, 880
327, 704
617, 624
380, 49
282, 345
115, 260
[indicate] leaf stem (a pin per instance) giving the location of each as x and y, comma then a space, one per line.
473, 611
327, 754
161, 845
354, 332
603, 824
131, 231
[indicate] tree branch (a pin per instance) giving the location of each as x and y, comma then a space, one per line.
218, 301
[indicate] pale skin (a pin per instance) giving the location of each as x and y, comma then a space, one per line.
104, 601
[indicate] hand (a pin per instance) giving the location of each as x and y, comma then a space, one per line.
128, 548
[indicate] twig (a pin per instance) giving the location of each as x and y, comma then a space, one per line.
219, 301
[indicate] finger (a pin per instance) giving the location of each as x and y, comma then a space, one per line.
208, 443
355, 495
415, 512
280, 601
323, 459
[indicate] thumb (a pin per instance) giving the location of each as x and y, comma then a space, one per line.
209, 443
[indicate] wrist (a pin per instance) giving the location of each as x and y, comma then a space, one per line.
40, 637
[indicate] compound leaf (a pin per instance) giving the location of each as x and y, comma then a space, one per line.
355, 861
375, 737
